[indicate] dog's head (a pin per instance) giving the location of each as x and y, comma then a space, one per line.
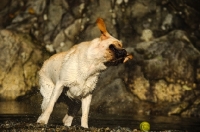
111, 47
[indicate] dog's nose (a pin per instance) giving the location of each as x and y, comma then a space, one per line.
118, 52
123, 52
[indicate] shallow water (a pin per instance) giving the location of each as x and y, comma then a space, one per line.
27, 112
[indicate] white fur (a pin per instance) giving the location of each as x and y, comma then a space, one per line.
78, 69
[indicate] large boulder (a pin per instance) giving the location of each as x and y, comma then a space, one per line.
19, 60
164, 73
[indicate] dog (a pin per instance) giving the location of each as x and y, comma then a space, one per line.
76, 71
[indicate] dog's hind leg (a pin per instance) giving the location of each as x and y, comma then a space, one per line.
46, 95
74, 106
44, 117
46, 89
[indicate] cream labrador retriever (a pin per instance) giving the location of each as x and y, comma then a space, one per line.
74, 74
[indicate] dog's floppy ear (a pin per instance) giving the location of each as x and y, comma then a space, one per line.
102, 27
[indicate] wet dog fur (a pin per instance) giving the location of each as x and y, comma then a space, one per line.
76, 71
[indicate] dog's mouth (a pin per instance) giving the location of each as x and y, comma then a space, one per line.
120, 55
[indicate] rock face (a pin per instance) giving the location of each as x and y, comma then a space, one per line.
164, 73
161, 78
164, 37
19, 59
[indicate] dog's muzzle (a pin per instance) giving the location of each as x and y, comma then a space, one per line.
119, 56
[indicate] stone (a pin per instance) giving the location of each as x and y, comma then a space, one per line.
169, 92
158, 78
113, 99
9, 51
19, 65
72, 31
192, 110
167, 23
147, 35
37, 6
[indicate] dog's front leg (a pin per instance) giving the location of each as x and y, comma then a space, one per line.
44, 117
85, 110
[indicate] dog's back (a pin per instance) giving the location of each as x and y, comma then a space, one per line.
73, 68
52, 66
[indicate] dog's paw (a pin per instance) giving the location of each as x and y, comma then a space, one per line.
85, 125
67, 120
43, 119
41, 122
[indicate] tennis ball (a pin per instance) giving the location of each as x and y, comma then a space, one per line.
144, 126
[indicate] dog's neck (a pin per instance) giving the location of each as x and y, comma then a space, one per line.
94, 52
95, 64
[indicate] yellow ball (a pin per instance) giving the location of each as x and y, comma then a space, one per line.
144, 126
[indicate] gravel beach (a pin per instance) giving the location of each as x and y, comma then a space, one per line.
35, 127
